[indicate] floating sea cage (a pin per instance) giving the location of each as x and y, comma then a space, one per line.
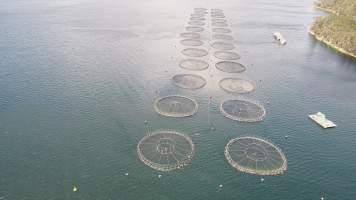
221, 30
200, 10
197, 15
176, 106
166, 150
194, 64
216, 10
196, 23
255, 156
230, 67
219, 24
218, 20
217, 15
222, 37
190, 35
237, 85
226, 55
243, 110
191, 42
194, 28
197, 18
194, 52
219, 45
189, 81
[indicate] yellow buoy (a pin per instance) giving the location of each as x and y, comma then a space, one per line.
75, 189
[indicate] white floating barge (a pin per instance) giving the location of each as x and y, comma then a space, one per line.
321, 120
278, 36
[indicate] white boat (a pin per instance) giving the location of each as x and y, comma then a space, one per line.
321, 120
278, 36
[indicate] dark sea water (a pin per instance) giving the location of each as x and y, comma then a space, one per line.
78, 78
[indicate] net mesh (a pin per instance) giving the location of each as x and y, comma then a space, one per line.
166, 150
191, 42
197, 18
196, 23
221, 30
194, 52
222, 37
194, 29
218, 20
222, 45
176, 106
200, 9
194, 64
230, 67
189, 81
242, 110
226, 55
255, 156
217, 15
216, 10
219, 24
237, 85
190, 35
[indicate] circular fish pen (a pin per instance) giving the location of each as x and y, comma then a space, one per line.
212, 13
236, 85
197, 15
217, 15
243, 110
194, 29
176, 106
194, 52
190, 35
221, 30
200, 12
166, 150
191, 42
226, 55
196, 23
189, 81
200, 9
197, 18
218, 20
194, 64
230, 67
219, 24
222, 45
216, 10
255, 156
222, 37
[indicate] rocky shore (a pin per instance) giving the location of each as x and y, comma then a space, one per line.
338, 29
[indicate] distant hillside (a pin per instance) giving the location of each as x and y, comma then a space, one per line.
339, 7
338, 29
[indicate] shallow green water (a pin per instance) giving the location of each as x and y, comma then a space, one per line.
79, 78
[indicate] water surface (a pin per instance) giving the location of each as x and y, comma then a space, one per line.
78, 79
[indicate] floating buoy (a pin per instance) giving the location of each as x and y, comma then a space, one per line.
126, 174
321, 198
286, 136
220, 186
262, 179
159, 175
75, 189
146, 122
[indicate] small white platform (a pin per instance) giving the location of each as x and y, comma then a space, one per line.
321, 120
278, 36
